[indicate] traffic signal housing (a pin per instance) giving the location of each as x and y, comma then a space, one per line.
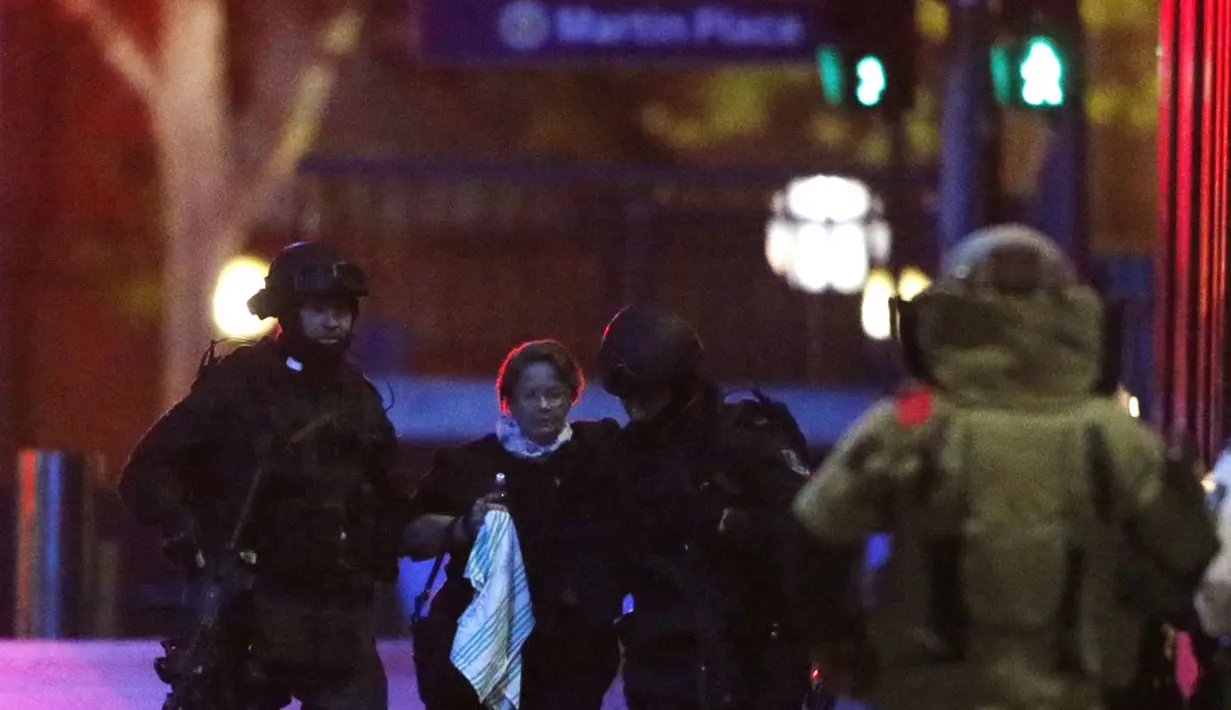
863, 79
1031, 72
870, 63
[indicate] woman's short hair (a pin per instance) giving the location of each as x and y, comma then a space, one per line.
523, 356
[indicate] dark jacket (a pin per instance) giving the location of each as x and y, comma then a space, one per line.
568, 518
705, 598
328, 508
562, 506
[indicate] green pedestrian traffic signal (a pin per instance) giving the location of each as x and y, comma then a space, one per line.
1032, 73
1042, 74
871, 81
863, 80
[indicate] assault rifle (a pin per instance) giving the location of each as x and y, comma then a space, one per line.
194, 667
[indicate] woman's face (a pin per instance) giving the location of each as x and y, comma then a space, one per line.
540, 403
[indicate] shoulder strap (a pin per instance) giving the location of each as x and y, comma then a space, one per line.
258, 478
426, 593
315, 423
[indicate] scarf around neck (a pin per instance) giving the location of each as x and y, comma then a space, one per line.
516, 443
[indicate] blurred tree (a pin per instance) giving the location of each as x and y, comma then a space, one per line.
234, 91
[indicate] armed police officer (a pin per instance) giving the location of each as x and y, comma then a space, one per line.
1037, 526
713, 482
290, 426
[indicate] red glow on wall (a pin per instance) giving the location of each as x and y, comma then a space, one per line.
1194, 160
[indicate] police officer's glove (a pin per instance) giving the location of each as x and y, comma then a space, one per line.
180, 546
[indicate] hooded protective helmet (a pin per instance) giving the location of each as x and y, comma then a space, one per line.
1008, 309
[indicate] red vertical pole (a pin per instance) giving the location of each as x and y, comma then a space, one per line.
1197, 231
1204, 194
1215, 109
1220, 112
1164, 257
1194, 153
1182, 240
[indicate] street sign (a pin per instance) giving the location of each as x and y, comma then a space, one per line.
608, 31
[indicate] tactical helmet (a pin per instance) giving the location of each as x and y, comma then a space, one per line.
307, 270
646, 348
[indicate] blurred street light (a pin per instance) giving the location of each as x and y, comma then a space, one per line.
1128, 401
876, 313
912, 282
242, 277
825, 233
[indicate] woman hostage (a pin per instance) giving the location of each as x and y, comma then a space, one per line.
557, 481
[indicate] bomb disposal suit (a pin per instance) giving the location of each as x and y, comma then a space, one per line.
1036, 525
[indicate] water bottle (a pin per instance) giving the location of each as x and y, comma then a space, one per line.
500, 493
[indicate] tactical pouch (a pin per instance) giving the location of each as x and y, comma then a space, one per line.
327, 637
373, 534
309, 544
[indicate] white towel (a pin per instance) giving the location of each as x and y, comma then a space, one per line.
492, 630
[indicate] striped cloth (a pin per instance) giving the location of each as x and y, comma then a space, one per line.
492, 630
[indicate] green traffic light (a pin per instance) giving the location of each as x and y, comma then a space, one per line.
1042, 73
829, 65
870, 72
1002, 74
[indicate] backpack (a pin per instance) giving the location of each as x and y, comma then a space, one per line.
994, 517
1011, 511
773, 419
